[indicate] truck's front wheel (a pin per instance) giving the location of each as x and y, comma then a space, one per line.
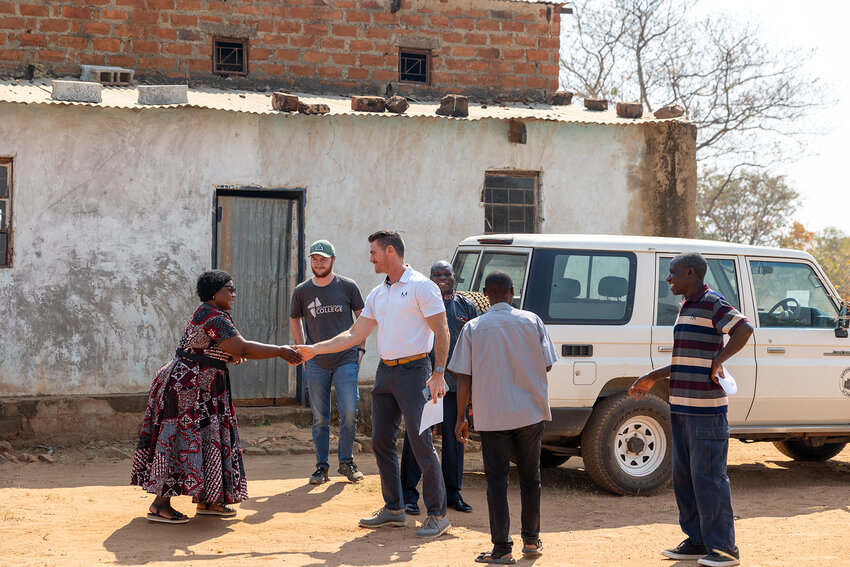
626, 444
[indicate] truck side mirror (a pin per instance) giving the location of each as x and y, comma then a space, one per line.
842, 322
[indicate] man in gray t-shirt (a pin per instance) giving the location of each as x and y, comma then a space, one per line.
327, 304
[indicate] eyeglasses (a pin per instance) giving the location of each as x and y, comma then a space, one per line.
231, 289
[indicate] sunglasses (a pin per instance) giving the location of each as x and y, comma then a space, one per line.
231, 289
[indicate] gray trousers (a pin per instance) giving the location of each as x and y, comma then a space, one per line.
397, 393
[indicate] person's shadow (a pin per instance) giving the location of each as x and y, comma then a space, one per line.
140, 542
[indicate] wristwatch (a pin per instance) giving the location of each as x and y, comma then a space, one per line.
440, 369
361, 349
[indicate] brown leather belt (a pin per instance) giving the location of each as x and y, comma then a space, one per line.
397, 361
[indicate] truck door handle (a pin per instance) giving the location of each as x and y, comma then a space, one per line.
776, 350
665, 349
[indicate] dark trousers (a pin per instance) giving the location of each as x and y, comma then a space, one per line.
703, 494
397, 393
496, 448
452, 458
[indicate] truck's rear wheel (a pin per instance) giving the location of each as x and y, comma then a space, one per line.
803, 450
626, 444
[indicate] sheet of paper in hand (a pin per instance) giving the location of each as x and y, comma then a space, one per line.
727, 382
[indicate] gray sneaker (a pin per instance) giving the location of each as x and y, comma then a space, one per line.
320, 476
349, 470
434, 526
385, 517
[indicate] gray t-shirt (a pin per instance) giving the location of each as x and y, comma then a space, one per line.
327, 311
506, 351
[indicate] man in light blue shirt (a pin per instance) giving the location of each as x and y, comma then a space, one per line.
502, 358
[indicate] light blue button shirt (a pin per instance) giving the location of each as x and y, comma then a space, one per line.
506, 351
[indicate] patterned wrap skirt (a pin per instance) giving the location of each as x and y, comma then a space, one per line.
189, 443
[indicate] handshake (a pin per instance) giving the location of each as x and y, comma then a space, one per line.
296, 354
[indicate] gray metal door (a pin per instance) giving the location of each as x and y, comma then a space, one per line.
257, 243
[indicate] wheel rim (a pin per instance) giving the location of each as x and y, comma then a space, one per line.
640, 446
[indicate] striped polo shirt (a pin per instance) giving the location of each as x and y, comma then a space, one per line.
697, 338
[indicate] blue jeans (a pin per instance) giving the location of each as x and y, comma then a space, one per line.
319, 381
703, 494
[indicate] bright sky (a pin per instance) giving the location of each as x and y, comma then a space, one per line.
820, 177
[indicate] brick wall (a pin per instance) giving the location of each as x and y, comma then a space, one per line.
487, 49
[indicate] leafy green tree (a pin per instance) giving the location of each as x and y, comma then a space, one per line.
752, 207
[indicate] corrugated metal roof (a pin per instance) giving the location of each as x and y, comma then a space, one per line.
39, 92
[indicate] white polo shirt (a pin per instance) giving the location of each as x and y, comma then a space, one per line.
400, 310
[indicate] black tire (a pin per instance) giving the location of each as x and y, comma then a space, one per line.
801, 450
633, 460
550, 460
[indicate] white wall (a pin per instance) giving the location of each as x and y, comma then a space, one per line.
112, 225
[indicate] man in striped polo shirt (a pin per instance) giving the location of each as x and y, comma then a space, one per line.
698, 404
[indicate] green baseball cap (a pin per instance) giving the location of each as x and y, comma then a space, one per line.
322, 248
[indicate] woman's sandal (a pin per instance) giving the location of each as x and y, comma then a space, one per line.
175, 518
207, 509
535, 551
493, 557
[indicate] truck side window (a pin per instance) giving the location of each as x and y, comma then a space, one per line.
580, 287
789, 294
720, 276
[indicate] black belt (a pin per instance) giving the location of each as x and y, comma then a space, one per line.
202, 359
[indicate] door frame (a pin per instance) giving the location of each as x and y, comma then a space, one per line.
299, 195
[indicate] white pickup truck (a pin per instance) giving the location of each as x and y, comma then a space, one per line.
610, 314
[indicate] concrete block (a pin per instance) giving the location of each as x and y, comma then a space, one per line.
285, 102
454, 105
629, 109
163, 94
368, 103
397, 104
111, 76
559, 98
77, 91
596, 104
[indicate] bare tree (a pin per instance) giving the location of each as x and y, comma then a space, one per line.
746, 97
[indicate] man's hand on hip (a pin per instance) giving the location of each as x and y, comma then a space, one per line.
437, 384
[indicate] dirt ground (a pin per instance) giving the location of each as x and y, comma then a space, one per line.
81, 511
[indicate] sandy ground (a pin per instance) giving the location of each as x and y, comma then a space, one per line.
80, 511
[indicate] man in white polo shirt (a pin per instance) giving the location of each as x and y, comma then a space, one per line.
407, 308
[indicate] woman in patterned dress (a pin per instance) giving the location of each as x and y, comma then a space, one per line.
189, 444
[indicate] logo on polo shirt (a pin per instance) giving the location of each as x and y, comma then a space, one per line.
404, 294
316, 308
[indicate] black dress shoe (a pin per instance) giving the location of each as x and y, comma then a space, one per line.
412, 509
461, 506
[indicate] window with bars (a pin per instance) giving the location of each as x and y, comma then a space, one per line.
414, 65
510, 202
5, 212
230, 56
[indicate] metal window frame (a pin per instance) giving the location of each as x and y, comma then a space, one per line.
7, 163
241, 40
428, 62
535, 175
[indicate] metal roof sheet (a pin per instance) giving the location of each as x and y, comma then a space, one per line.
39, 92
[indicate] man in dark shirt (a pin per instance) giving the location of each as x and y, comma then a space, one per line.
698, 423
459, 310
328, 303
